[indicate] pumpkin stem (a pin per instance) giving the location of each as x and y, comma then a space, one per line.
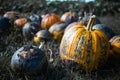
41, 44
90, 23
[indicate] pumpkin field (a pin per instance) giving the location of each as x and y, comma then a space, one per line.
59, 40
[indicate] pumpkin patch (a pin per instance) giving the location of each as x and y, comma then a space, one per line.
59, 40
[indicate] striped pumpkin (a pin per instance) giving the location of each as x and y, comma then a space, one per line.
89, 48
48, 20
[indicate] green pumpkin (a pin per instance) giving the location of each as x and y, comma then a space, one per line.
87, 47
29, 59
108, 31
57, 30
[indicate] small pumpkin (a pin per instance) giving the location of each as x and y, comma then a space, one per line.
49, 19
35, 18
42, 36
30, 29
87, 47
20, 22
12, 15
115, 47
29, 59
57, 30
69, 17
108, 31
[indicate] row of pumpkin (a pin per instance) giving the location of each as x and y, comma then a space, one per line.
84, 41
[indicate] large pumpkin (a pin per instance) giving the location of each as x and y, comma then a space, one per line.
85, 46
115, 47
69, 17
108, 31
57, 30
49, 19
29, 59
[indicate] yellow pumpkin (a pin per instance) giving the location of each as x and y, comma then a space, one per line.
41, 36
57, 30
85, 46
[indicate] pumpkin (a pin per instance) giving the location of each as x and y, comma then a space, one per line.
12, 15
57, 30
30, 29
49, 19
108, 31
115, 47
69, 17
29, 59
35, 18
4, 24
42, 36
20, 22
87, 47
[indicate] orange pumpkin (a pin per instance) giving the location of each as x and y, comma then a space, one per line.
20, 22
115, 46
69, 17
87, 47
48, 20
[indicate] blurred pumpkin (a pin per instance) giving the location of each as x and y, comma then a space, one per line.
108, 31
42, 36
20, 22
12, 15
29, 59
69, 17
87, 47
30, 29
115, 47
49, 19
57, 30
35, 18
4, 24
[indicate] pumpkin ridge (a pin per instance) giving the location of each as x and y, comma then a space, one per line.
104, 44
75, 37
88, 55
